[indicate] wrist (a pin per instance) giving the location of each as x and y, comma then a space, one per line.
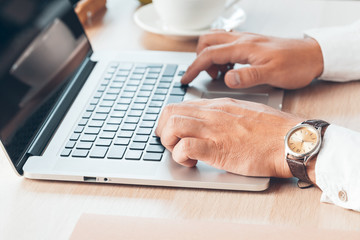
316, 56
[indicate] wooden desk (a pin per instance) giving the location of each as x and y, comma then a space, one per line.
32, 209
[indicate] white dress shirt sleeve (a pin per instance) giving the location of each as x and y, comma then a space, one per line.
340, 47
337, 168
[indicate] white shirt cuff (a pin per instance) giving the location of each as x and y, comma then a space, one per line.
337, 168
340, 47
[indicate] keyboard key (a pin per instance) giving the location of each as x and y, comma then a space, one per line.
103, 142
110, 97
88, 138
125, 134
120, 79
141, 138
155, 149
147, 124
155, 70
114, 91
144, 94
150, 117
105, 82
136, 76
131, 89
80, 153
178, 91
152, 76
139, 70
164, 85
100, 116
90, 108
125, 101
127, 95
115, 121
70, 144
138, 106
155, 141
116, 152
84, 145
98, 95
149, 82
111, 128
87, 115
107, 103
117, 114
122, 141
83, 122
129, 127
181, 73
75, 136
65, 153
144, 131
120, 107
107, 135
137, 146
141, 100
133, 83
147, 88
98, 152
79, 129
161, 91
166, 79
152, 110
135, 113
132, 120
94, 101
154, 65
96, 123
170, 70
122, 73
116, 85
104, 110
157, 97
156, 104
92, 130
133, 155
152, 156
175, 99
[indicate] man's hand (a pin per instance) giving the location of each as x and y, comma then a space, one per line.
280, 62
237, 136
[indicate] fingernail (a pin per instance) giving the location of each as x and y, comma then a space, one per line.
234, 79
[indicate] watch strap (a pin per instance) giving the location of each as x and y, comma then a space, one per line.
298, 169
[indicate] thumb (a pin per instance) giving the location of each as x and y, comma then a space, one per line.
246, 77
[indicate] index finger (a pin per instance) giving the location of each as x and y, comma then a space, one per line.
218, 54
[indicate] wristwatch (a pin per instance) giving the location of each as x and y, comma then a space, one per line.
302, 143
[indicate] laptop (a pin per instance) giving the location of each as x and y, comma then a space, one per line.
71, 114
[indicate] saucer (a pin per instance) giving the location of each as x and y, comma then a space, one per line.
147, 18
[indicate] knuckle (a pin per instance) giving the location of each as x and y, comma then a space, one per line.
253, 74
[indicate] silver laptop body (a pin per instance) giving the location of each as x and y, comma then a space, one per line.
41, 157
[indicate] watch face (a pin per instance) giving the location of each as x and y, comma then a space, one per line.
303, 140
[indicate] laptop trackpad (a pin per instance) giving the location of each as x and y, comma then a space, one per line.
253, 97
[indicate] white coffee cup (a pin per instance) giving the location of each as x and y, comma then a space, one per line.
189, 14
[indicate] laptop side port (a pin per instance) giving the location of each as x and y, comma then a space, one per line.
89, 179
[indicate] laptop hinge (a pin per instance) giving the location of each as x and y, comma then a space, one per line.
60, 108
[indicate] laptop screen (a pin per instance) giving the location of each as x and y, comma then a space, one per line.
42, 44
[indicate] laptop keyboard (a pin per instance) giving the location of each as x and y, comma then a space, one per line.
119, 120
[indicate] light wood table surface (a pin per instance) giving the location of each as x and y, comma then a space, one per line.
31, 209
